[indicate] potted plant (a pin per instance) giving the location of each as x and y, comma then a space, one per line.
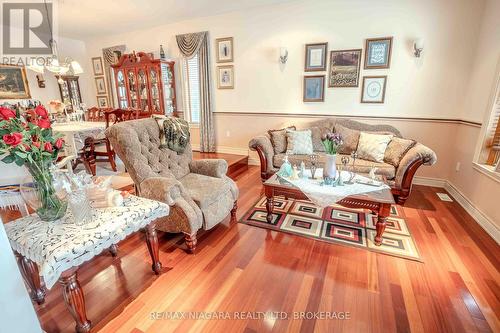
331, 142
33, 144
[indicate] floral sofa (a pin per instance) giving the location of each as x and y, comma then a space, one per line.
402, 157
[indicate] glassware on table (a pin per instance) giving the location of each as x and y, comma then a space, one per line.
79, 205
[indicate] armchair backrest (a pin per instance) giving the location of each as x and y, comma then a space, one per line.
137, 143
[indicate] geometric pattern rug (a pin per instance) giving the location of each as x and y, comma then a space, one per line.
335, 224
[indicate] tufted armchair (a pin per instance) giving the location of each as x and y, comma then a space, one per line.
199, 192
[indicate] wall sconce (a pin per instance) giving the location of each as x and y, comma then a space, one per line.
283, 55
418, 47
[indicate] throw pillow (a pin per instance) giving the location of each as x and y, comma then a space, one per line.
278, 139
159, 120
316, 133
396, 149
350, 138
372, 147
299, 142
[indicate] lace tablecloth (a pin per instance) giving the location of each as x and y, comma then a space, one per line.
76, 132
326, 195
60, 245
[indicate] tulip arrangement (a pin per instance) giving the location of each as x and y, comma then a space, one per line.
331, 142
33, 144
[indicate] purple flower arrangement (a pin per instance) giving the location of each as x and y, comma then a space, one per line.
331, 142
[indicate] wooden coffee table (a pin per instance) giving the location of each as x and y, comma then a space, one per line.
379, 202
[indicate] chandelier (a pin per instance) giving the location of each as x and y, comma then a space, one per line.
54, 64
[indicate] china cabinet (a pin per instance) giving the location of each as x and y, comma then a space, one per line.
145, 83
69, 88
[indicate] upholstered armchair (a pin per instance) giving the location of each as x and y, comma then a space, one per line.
198, 192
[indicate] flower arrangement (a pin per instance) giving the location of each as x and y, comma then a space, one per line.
33, 144
331, 142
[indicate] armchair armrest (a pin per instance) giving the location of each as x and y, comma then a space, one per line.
262, 144
161, 189
411, 161
209, 167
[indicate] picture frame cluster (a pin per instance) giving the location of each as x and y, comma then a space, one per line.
100, 83
224, 48
345, 69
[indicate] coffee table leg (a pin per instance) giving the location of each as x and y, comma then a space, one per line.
269, 209
75, 302
154, 252
113, 249
383, 213
29, 271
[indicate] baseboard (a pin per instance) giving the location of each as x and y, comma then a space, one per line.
427, 181
484, 221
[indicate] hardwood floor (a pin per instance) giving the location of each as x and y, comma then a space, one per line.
242, 268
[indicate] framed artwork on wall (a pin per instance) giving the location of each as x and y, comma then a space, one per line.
100, 85
102, 102
224, 48
316, 57
225, 77
13, 82
378, 52
97, 66
344, 68
314, 88
373, 90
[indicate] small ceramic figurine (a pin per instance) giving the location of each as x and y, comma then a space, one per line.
371, 174
295, 173
302, 172
285, 170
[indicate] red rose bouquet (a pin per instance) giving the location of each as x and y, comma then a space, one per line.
33, 144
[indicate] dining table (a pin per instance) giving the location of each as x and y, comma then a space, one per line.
75, 133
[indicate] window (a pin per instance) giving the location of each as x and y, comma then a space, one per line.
493, 134
192, 89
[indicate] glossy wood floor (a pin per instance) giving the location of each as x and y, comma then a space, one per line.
243, 268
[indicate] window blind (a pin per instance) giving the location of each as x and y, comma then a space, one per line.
494, 132
193, 89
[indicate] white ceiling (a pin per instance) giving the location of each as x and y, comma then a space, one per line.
86, 18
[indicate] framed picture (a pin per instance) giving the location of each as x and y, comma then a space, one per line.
100, 85
97, 66
224, 48
225, 77
344, 68
373, 90
316, 57
314, 88
378, 53
13, 82
102, 102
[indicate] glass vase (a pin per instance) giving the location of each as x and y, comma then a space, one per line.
41, 195
330, 168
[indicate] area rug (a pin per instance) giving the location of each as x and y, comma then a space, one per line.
335, 224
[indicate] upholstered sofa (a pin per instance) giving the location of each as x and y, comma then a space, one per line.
399, 174
199, 193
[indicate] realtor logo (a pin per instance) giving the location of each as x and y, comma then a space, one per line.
26, 28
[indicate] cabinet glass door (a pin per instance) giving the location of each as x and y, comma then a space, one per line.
167, 77
155, 90
143, 91
74, 90
122, 90
132, 84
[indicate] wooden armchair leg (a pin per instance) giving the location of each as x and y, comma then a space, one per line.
111, 156
191, 242
233, 211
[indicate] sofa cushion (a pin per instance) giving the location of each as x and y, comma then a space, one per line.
278, 139
316, 133
361, 166
350, 138
396, 149
299, 142
204, 190
372, 147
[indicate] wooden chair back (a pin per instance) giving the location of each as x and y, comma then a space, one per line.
96, 114
119, 115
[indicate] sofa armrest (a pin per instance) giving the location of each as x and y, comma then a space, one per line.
262, 144
414, 158
161, 189
209, 167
